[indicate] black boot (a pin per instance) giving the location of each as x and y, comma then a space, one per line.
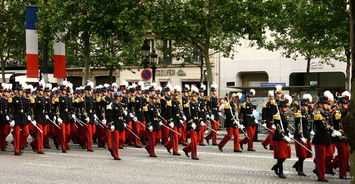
295, 166
275, 168
281, 172
300, 167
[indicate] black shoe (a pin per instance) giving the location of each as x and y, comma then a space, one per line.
220, 148
202, 144
251, 150
184, 144
152, 156
281, 175
238, 151
167, 149
146, 148
40, 153
47, 147
17, 154
271, 147
208, 141
295, 166
64, 151
275, 169
322, 180
343, 177
265, 147
33, 148
138, 146
176, 154
116, 158
301, 173
90, 150
214, 144
57, 146
111, 151
186, 152
120, 147
330, 171
195, 158
3, 149
241, 145
315, 172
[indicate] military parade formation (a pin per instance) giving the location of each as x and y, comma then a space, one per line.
116, 116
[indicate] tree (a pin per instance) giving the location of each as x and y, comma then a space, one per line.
205, 26
90, 24
12, 37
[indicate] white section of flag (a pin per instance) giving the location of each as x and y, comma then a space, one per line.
58, 46
31, 42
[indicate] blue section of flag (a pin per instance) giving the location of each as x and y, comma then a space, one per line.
31, 17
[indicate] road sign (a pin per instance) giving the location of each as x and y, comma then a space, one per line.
146, 74
272, 84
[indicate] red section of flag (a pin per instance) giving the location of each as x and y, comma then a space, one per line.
59, 66
32, 65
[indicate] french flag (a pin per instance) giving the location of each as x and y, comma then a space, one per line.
59, 57
31, 42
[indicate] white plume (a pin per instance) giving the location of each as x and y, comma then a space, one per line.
141, 83
271, 93
134, 85
4, 85
159, 88
214, 85
288, 100
154, 85
252, 92
203, 87
23, 84
194, 88
29, 87
42, 83
169, 86
106, 85
91, 84
124, 83
329, 95
177, 88
308, 97
65, 83
187, 87
346, 94
49, 86
278, 88
240, 95
70, 85
114, 85
54, 89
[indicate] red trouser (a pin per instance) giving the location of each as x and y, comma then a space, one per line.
46, 129
164, 133
38, 140
102, 138
231, 132
192, 147
250, 131
90, 129
268, 139
213, 134
329, 156
20, 137
65, 132
115, 143
320, 160
201, 134
343, 152
153, 139
138, 130
174, 140
4, 132
109, 138
184, 134
128, 133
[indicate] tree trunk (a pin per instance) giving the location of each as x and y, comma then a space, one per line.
348, 65
202, 74
206, 55
307, 79
349, 125
3, 70
111, 75
86, 39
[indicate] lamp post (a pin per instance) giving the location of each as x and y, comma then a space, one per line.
149, 59
154, 58
145, 53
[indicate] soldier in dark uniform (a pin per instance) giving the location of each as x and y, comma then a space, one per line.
39, 110
268, 111
20, 113
248, 120
5, 122
63, 113
89, 105
139, 119
322, 138
175, 122
49, 115
213, 108
186, 109
153, 125
193, 125
131, 100
202, 100
303, 136
107, 101
281, 139
231, 112
165, 114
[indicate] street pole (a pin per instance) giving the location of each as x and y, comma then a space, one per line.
154, 68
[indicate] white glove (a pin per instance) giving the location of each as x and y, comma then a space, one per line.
256, 121
34, 123
212, 117
313, 133
273, 127
208, 116
87, 119
125, 112
203, 123
131, 115
103, 121
95, 116
181, 122
263, 125
125, 125
171, 124
150, 128
184, 117
220, 114
193, 126
60, 120
54, 118
73, 116
135, 119
290, 135
160, 123
304, 140
12, 123
47, 117
112, 128
7, 118
336, 133
287, 139
241, 126
29, 118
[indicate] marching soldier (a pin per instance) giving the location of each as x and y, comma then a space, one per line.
63, 113
90, 117
139, 120
5, 122
281, 138
186, 109
268, 111
193, 124
165, 113
213, 109
153, 125
248, 120
203, 114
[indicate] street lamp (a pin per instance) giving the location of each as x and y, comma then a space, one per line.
153, 60
145, 53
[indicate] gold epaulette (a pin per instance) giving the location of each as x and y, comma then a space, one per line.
263, 106
9, 100
187, 105
98, 99
207, 98
337, 116
318, 117
169, 103
55, 100
131, 100
32, 100
276, 117
298, 115
227, 106
273, 102
180, 100
244, 105
145, 108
